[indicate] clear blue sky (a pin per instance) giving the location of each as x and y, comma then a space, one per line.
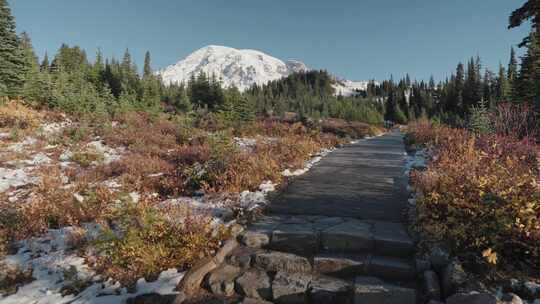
357, 39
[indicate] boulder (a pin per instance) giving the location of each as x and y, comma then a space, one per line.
373, 290
511, 298
432, 288
351, 236
323, 290
453, 276
439, 258
254, 301
221, 280
300, 239
340, 265
280, 261
290, 288
254, 284
531, 290
152, 298
472, 298
255, 239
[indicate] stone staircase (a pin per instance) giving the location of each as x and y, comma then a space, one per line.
317, 259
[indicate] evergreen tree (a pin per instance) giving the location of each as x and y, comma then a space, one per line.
529, 74
35, 85
12, 59
147, 71
45, 65
512, 71
504, 89
530, 10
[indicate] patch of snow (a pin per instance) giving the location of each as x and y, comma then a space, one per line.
109, 154
20, 146
4, 135
65, 156
54, 127
308, 165
15, 178
38, 159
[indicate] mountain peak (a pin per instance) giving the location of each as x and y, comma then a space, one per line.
235, 67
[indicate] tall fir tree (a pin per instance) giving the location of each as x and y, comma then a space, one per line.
12, 60
529, 11
504, 89
147, 71
45, 65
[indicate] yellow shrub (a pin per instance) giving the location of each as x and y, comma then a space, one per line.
14, 114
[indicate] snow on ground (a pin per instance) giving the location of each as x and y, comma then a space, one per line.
14, 178
56, 268
109, 154
310, 163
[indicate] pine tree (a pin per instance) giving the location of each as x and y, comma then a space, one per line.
34, 85
45, 65
528, 11
528, 86
147, 71
504, 89
12, 60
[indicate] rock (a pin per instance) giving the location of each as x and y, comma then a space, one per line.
452, 278
392, 239
152, 298
225, 250
434, 302
280, 261
290, 288
513, 285
323, 290
373, 290
254, 284
511, 298
241, 257
255, 239
254, 301
192, 280
340, 265
432, 288
472, 298
439, 258
295, 238
221, 280
351, 236
531, 290
391, 268
327, 222
422, 265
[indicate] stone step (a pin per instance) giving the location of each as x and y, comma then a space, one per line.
347, 266
309, 236
369, 290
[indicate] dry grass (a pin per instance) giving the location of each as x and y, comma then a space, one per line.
14, 114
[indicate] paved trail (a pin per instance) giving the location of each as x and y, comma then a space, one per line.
335, 235
364, 180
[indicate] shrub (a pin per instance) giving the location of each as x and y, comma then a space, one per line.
147, 240
480, 194
87, 158
14, 114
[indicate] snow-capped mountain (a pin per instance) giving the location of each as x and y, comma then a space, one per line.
241, 68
